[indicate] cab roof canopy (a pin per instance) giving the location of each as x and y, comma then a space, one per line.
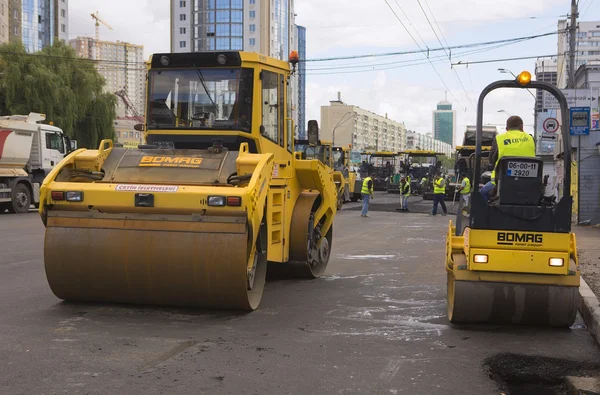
211, 59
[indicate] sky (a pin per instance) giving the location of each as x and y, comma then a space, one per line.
406, 87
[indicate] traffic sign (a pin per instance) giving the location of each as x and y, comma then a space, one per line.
580, 121
550, 125
575, 98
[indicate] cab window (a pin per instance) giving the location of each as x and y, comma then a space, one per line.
55, 142
271, 119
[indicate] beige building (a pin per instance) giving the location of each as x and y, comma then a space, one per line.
122, 65
360, 128
4, 21
126, 134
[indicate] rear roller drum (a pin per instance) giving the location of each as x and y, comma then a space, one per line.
310, 249
511, 303
159, 260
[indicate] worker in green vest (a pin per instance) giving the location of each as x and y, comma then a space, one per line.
465, 190
367, 193
515, 142
439, 192
404, 193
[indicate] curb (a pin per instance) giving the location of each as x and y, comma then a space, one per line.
583, 386
590, 309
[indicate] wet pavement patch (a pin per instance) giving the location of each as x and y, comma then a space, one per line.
533, 375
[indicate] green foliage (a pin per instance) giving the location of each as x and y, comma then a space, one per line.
448, 162
57, 83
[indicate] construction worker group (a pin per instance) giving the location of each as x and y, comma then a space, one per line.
515, 142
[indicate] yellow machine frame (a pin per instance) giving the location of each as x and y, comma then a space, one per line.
286, 205
506, 268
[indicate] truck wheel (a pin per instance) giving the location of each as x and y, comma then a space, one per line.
21, 199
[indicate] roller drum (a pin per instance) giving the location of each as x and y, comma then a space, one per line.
169, 262
511, 303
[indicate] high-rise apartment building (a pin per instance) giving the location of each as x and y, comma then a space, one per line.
348, 124
302, 83
122, 65
37, 24
588, 47
444, 122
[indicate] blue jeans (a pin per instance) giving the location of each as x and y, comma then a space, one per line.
439, 198
405, 202
486, 189
365, 207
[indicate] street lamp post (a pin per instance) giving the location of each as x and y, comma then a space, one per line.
340, 123
506, 112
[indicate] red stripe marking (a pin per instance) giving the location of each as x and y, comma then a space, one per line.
3, 136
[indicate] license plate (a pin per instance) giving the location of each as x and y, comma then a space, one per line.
522, 169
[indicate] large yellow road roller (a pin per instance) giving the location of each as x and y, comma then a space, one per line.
192, 217
514, 258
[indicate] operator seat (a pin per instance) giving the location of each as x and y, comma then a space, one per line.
519, 181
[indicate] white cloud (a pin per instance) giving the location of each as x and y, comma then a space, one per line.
142, 22
340, 24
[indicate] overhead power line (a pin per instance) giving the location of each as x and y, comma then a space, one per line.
443, 22
504, 59
447, 54
420, 50
427, 55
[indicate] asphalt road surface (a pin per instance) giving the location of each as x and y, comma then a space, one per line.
375, 324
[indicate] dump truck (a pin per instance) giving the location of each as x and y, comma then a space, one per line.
192, 217
512, 259
28, 151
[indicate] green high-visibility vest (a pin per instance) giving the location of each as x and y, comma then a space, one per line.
439, 186
406, 189
513, 143
365, 187
467, 188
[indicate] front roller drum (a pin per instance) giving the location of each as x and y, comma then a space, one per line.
172, 261
511, 303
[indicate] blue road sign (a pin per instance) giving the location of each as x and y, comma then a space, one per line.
580, 121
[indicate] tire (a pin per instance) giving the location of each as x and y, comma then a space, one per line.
21, 199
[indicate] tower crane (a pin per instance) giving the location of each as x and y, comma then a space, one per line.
96, 16
129, 105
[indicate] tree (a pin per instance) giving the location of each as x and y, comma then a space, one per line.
55, 82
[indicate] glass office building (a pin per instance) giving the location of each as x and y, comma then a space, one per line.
444, 122
218, 25
38, 23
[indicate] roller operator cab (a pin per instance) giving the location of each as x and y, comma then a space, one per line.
192, 217
513, 259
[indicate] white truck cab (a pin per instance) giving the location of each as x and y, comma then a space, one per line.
28, 151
